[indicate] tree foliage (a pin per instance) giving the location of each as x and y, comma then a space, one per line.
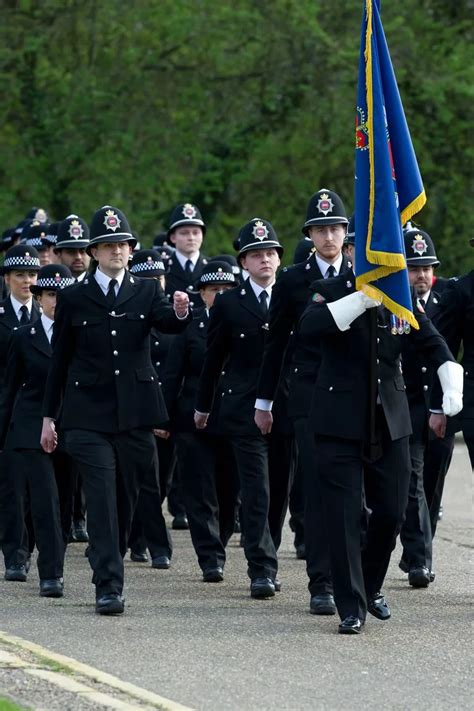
244, 107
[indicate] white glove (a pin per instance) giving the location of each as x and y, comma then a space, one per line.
344, 311
451, 377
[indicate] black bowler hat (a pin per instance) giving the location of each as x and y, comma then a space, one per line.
34, 234
186, 214
108, 225
325, 208
20, 258
303, 249
147, 263
52, 234
161, 240
351, 231
73, 233
258, 234
419, 249
216, 272
37, 213
52, 277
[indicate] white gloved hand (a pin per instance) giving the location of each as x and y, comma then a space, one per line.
344, 311
451, 377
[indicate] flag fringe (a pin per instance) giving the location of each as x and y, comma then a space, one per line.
391, 305
415, 206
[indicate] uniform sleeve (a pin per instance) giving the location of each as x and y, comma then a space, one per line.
450, 316
163, 316
14, 376
429, 341
62, 344
173, 374
219, 343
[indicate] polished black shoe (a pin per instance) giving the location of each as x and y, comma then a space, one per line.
261, 588
52, 588
322, 604
180, 523
109, 604
138, 556
213, 575
162, 562
351, 625
277, 584
419, 577
301, 551
16, 573
377, 606
403, 566
79, 533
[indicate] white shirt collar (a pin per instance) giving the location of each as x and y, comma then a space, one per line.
324, 266
425, 297
48, 326
257, 289
17, 306
182, 258
103, 280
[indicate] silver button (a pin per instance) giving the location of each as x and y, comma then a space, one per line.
117, 372
378, 361
15, 328
229, 390
112, 313
152, 377
142, 315
379, 381
331, 388
425, 388
423, 370
157, 364
84, 323
157, 343
76, 383
113, 333
242, 335
295, 370
115, 353
223, 372
378, 340
159, 382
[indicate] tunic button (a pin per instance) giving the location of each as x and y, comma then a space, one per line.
157, 343
84, 323
331, 388
76, 383
152, 378
112, 313
229, 390
113, 333
378, 340
159, 382
423, 370
379, 381
142, 315
425, 388
117, 372
295, 370
378, 361
157, 364
223, 372
115, 353
242, 335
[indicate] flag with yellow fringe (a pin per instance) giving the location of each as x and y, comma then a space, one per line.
388, 185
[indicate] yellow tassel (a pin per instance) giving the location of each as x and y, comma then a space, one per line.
415, 206
391, 305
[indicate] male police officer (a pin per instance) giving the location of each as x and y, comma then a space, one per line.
186, 233
102, 372
71, 243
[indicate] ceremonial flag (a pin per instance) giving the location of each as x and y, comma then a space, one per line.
388, 185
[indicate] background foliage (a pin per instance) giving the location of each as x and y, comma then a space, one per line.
243, 107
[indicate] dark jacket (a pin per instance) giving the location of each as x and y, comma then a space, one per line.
341, 404
290, 296
29, 355
178, 280
9, 323
235, 344
101, 368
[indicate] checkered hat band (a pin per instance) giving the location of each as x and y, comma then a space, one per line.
217, 276
21, 262
34, 242
51, 283
147, 267
51, 238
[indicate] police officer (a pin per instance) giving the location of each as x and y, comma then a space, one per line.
71, 244
325, 225
339, 318
34, 235
209, 476
20, 269
34, 481
102, 373
186, 232
237, 331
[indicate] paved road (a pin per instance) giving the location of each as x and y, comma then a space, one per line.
211, 647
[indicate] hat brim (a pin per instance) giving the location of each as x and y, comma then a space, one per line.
150, 273
321, 221
38, 289
19, 268
111, 239
71, 244
422, 262
270, 244
186, 223
218, 282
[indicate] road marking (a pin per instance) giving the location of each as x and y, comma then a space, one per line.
87, 671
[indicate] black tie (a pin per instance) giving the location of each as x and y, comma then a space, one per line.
188, 267
263, 298
110, 297
25, 316
331, 271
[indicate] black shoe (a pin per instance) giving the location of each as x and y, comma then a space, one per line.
419, 577
277, 584
162, 562
432, 576
213, 575
52, 588
138, 556
377, 606
180, 523
322, 604
301, 551
17, 573
109, 604
351, 625
79, 533
261, 588
403, 566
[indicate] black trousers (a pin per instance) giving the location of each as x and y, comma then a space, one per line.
66, 481
316, 540
296, 502
113, 467
35, 490
438, 455
342, 474
415, 534
210, 487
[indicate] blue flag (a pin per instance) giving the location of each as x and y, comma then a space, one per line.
388, 185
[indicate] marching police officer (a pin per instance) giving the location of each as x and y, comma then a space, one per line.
71, 244
102, 373
325, 225
237, 331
